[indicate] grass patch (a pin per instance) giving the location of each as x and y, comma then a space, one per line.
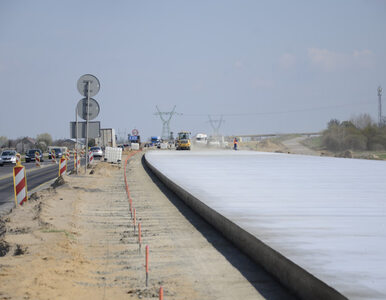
68, 234
314, 142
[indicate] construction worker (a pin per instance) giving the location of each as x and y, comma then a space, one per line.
235, 141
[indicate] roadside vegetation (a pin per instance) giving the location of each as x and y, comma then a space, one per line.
359, 137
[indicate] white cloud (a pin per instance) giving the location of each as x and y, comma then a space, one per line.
287, 61
238, 64
332, 61
262, 83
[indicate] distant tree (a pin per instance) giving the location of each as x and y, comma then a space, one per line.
45, 138
347, 124
3, 141
59, 142
333, 123
362, 121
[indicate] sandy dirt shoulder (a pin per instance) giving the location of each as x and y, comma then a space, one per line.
77, 241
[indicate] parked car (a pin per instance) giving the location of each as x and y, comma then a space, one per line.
58, 153
8, 157
97, 151
30, 155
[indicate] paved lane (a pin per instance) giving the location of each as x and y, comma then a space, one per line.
6, 170
34, 179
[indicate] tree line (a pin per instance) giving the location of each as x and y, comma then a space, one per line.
360, 134
42, 141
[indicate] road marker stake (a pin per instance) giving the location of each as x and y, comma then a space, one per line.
37, 159
147, 265
62, 165
139, 236
161, 293
20, 184
134, 221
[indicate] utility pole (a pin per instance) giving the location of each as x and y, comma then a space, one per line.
216, 124
165, 118
380, 118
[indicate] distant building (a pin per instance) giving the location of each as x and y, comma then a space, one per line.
25, 144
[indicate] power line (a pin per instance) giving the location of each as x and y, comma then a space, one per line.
282, 112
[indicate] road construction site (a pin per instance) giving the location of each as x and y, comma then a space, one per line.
77, 240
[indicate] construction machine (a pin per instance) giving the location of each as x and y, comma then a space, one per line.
183, 141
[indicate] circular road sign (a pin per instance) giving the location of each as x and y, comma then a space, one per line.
86, 80
93, 109
134, 132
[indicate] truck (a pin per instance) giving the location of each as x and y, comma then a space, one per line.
155, 140
183, 141
201, 139
107, 138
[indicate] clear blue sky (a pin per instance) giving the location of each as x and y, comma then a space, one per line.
292, 65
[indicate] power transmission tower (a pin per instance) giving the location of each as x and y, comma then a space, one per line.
165, 118
216, 124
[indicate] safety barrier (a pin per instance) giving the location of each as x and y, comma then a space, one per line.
20, 184
113, 155
90, 157
37, 159
18, 159
62, 166
53, 157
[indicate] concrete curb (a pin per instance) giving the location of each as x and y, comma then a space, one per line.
293, 277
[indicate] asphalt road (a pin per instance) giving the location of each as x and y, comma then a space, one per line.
34, 179
7, 168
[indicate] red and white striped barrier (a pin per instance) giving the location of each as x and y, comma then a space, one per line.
53, 157
62, 166
18, 159
82, 152
68, 155
90, 157
78, 161
37, 159
20, 184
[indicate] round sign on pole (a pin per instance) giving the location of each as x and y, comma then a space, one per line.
93, 109
88, 80
134, 132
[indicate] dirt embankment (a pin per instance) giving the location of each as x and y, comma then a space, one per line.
77, 241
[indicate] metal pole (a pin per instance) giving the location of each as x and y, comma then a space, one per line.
76, 144
87, 115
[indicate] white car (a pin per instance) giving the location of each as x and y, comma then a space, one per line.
96, 151
8, 157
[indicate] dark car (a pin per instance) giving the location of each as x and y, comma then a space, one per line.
30, 155
58, 153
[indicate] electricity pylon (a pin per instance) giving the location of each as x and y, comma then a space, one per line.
216, 124
166, 121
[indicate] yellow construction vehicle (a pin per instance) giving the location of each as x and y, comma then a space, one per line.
183, 141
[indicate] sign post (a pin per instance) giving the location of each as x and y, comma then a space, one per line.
88, 86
